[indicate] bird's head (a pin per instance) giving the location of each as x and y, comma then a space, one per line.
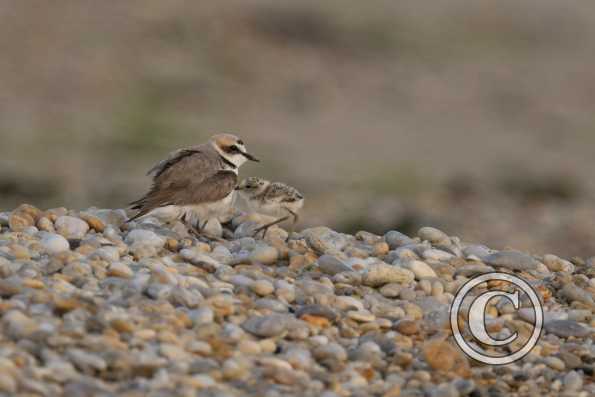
232, 149
253, 185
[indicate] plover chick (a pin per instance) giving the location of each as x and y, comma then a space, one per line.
271, 198
197, 183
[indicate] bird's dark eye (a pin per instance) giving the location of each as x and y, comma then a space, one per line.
233, 149
240, 142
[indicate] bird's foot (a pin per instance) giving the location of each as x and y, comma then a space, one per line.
266, 227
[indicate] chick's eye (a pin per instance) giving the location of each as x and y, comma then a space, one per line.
234, 149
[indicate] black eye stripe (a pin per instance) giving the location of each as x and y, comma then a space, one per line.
240, 142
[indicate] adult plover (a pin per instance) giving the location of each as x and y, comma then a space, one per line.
196, 184
271, 198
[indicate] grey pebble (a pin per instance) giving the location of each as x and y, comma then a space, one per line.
511, 260
266, 326
567, 328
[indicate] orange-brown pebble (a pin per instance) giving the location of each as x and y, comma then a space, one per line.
122, 326
32, 283
19, 221
407, 327
443, 356
317, 321
93, 221
381, 249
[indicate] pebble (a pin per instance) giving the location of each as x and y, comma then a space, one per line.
433, 235
19, 325
265, 255
396, 239
143, 308
420, 269
266, 326
380, 274
54, 243
263, 287
119, 269
555, 363
391, 290
573, 382
443, 356
567, 328
145, 237
329, 264
511, 260
324, 240
71, 228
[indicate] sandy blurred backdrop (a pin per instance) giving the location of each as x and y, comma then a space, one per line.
473, 116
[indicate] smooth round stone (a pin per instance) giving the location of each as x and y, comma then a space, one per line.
554, 363
329, 264
202, 316
573, 382
266, 326
555, 264
200, 259
346, 303
8, 383
71, 228
317, 310
19, 325
145, 237
324, 240
391, 290
362, 316
420, 269
213, 228
299, 358
573, 292
528, 314
265, 255
445, 390
567, 328
159, 291
110, 254
380, 274
246, 229
54, 243
476, 251
249, 347
85, 360
119, 269
473, 270
433, 235
262, 287
271, 304
511, 260
571, 360
395, 239
407, 327
437, 255
407, 294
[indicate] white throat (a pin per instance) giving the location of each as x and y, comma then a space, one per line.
236, 159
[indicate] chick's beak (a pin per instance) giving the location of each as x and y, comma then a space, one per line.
250, 157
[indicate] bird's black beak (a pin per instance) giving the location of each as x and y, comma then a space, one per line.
250, 157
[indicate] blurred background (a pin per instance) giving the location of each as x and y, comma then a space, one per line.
475, 117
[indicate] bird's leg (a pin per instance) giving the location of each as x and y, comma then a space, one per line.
198, 231
296, 218
266, 227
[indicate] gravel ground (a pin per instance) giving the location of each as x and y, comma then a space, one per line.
93, 306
